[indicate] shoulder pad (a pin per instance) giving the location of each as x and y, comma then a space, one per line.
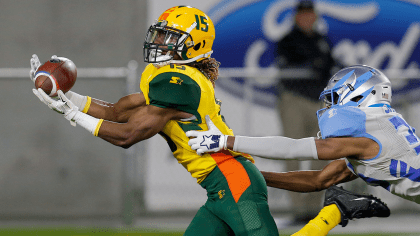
343, 122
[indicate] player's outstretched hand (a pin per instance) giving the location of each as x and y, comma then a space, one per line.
47, 100
77, 99
70, 110
211, 140
35, 64
62, 105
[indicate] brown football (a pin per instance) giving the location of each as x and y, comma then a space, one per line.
56, 74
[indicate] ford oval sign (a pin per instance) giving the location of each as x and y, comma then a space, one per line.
384, 34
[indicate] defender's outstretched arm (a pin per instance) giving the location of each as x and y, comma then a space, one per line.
283, 148
310, 181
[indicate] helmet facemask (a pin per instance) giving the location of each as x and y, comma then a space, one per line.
163, 43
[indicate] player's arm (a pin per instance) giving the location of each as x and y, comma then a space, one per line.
335, 172
284, 148
120, 111
144, 123
117, 112
335, 148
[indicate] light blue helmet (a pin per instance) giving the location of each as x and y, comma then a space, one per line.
359, 86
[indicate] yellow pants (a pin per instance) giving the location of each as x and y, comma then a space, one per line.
326, 220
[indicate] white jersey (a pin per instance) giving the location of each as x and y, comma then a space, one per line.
397, 165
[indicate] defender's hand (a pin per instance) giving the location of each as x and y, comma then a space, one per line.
211, 140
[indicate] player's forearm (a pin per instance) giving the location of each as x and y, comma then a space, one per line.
91, 106
276, 147
147, 122
102, 110
335, 172
124, 134
116, 134
117, 112
297, 181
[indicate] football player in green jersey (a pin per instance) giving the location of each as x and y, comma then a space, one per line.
177, 91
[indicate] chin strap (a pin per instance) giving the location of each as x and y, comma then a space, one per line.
205, 55
166, 61
162, 64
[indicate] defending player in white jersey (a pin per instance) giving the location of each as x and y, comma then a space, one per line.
360, 131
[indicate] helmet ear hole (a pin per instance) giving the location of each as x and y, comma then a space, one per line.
197, 47
204, 43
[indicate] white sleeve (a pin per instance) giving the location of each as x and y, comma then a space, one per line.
277, 147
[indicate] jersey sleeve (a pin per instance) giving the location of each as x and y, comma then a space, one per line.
175, 90
343, 122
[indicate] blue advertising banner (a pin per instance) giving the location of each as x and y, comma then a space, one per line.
384, 34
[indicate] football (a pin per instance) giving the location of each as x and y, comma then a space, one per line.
56, 74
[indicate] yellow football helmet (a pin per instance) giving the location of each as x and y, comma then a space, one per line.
182, 30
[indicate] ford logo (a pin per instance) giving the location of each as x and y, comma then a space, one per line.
382, 34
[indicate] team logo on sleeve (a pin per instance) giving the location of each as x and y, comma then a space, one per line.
211, 141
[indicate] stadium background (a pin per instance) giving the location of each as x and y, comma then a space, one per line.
52, 173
